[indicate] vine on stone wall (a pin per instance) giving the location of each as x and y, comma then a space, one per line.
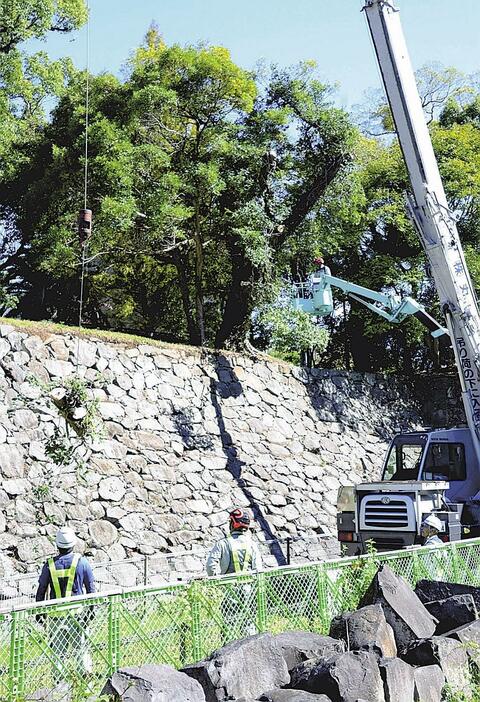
81, 424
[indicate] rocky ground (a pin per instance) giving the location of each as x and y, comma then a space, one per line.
399, 646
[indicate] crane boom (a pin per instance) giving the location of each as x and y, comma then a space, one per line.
428, 206
315, 297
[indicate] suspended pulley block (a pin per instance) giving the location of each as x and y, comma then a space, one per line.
84, 226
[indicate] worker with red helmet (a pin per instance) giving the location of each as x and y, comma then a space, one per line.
315, 278
236, 553
320, 267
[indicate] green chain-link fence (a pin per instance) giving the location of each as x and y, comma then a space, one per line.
70, 648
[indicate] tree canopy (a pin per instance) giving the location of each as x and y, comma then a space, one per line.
213, 189
200, 181
27, 82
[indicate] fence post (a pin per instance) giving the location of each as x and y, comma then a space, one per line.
322, 597
145, 570
17, 656
195, 620
261, 603
114, 602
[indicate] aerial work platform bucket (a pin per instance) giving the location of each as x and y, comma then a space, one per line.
313, 297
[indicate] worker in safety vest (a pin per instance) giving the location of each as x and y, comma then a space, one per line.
236, 553
62, 577
430, 529
66, 574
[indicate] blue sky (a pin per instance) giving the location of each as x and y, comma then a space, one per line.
333, 32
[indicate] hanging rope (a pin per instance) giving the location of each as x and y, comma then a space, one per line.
87, 108
85, 217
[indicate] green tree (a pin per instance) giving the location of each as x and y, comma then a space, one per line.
201, 191
27, 19
289, 334
307, 144
192, 102
437, 85
26, 82
383, 250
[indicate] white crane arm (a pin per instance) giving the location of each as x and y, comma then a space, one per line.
435, 223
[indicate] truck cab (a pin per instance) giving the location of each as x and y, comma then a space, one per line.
424, 472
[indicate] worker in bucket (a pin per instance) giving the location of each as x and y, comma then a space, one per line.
65, 575
315, 277
236, 553
430, 529
320, 267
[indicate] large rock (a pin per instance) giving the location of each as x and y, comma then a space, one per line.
344, 677
429, 683
292, 696
469, 636
112, 488
408, 617
102, 532
453, 612
430, 590
398, 680
365, 629
447, 653
153, 683
244, 668
12, 464
299, 646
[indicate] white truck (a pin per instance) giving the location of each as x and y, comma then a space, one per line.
429, 471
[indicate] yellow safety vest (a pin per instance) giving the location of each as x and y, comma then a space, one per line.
55, 576
235, 548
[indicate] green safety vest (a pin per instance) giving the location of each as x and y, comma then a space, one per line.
235, 548
68, 573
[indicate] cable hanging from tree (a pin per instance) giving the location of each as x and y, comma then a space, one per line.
85, 214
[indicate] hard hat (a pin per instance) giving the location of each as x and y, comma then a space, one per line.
433, 522
65, 538
239, 519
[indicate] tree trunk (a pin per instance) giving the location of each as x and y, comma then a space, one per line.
361, 347
235, 324
199, 316
193, 332
197, 236
346, 338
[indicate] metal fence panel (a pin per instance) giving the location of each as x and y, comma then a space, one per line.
8, 657
154, 627
293, 599
224, 609
66, 649
69, 648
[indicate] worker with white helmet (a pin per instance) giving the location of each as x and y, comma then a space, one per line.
430, 529
65, 575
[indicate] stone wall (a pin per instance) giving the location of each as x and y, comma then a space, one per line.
187, 435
